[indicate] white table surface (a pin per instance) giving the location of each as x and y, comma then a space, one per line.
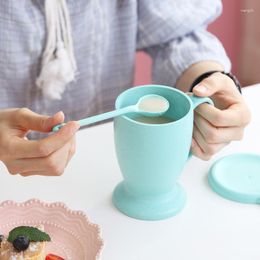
209, 227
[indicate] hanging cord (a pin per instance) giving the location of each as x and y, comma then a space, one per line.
58, 66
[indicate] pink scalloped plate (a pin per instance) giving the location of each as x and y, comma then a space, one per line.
73, 236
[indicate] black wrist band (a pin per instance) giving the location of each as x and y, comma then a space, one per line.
234, 78
208, 73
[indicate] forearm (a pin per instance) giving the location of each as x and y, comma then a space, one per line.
189, 75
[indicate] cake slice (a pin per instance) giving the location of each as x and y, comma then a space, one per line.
35, 250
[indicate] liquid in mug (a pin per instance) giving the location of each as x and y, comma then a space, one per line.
154, 120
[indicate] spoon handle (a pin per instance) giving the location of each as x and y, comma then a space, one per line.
101, 117
107, 115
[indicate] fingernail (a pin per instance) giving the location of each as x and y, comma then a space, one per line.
60, 112
77, 123
76, 126
70, 127
201, 88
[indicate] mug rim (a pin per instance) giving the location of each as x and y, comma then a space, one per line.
154, 85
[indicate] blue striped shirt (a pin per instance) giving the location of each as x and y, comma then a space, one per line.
106, 35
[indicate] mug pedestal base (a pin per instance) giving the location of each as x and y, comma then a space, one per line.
151, 208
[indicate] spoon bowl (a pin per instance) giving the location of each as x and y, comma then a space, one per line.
152, 105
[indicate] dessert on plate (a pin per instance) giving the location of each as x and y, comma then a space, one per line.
24, 243
73, 236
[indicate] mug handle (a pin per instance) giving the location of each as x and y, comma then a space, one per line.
200, 100
196, 101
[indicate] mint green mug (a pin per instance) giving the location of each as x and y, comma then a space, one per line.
151, 156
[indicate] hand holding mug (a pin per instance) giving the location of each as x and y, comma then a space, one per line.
215, 127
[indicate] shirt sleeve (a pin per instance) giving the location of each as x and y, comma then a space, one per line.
174, 33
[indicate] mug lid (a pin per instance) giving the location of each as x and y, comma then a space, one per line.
237, 177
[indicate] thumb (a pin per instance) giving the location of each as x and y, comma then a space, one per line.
42, 123
216, 83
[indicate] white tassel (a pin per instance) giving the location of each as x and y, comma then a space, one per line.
56, 74
58, 61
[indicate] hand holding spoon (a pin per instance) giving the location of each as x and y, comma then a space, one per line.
149, 105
